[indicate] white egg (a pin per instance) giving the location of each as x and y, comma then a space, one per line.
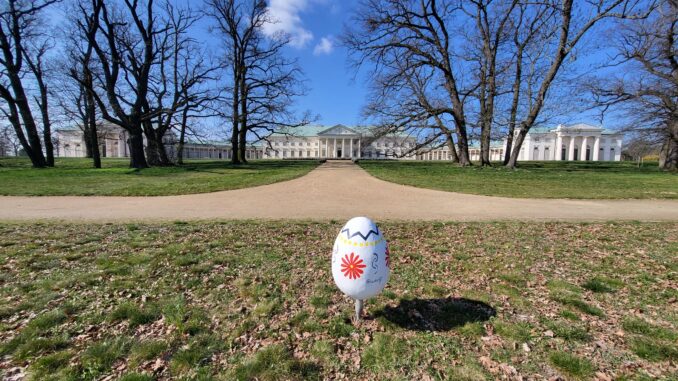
360, 259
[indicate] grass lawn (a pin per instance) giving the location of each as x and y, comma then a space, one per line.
73, 176
601, 180
251, 300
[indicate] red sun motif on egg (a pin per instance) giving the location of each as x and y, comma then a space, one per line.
352, 266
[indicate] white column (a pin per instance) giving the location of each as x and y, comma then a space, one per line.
334, 148
570, 153
559, 146
343, 148
351, 147
582, 152
359, 149
596, 148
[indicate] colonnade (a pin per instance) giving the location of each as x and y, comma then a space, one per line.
581, 148
333, 146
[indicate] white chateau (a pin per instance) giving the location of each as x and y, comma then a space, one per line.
577, 142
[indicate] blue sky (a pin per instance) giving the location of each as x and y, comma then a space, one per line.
335, 94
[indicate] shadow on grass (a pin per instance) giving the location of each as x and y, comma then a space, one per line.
441, 314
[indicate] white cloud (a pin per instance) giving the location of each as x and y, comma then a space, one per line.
287, 19
325, 46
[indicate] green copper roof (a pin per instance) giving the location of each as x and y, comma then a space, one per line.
541, 130
315, 129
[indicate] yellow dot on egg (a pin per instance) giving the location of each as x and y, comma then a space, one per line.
355, 243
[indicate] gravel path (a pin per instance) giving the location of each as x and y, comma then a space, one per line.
335, 190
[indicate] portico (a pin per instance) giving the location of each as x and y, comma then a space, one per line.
339, 142
586, 143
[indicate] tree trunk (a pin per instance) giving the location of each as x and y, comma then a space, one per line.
485, 145
509, 144
668, 156
182, 135
516, 148
136, 150
484, 123
43, 104
91, 126
33, 145
155, 147
91, 119
16, 123
514, 104
235, 152
94, 142
242, 136
235, 121
155, 151
47, 138
87, 135
462, 144
453, 151
244, 96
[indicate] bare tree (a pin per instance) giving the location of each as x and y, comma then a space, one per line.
125, 43
77, 99
19, 29
416, 33
267, 94
262, 82
531, 28
412, 104
35, 52
180, 86
570, 33
79, 109
472, 46
491, 19
646, 90
237, 26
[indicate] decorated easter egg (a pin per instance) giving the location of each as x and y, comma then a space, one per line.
360, 259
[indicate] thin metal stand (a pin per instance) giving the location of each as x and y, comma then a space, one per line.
358, 309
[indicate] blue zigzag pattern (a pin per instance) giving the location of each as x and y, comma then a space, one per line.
363, 236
